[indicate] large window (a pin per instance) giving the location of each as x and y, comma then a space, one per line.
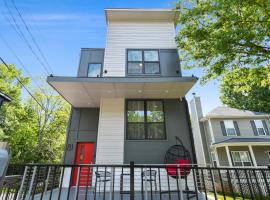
145, 120
241, 158
94, 69
143, 62
259, 127
230, 129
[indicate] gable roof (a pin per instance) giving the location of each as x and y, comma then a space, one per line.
228, 112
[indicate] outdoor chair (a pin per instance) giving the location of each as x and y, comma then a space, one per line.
101, 177
149, 176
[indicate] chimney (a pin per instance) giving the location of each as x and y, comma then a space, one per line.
197, 128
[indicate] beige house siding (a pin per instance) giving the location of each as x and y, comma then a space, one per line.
261, 156
222, 156
244, 127
122, 35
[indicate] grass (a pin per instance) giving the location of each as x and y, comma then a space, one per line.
221, 197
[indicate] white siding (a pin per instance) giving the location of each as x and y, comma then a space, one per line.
110, 141
123, 35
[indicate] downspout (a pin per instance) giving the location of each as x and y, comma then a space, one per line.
190, 130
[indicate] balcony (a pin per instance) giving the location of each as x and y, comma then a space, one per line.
87, 92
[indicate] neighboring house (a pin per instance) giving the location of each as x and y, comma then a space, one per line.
128, 100
4, 98
230, 137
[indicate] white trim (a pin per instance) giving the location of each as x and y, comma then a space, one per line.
250, 160
233, 127
211, 132
217, 158
241, 144
252, 155
222, 117
259, 120
228, 156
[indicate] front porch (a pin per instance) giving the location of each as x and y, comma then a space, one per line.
242, 154
135, 182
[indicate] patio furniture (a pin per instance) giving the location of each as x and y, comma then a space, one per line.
149, 176
102, 177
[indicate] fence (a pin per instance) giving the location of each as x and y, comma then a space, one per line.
147, 182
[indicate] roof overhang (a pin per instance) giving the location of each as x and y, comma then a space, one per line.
126, 14
87, 92
245, 141
234, 117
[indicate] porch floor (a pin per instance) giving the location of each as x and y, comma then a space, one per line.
108, 196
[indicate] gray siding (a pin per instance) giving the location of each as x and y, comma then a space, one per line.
149, 152
169, 62
222, 156
260, 153
83, 128
244, 127
89, 56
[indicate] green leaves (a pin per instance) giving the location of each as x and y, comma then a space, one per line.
35, 135
247, 88
223, 35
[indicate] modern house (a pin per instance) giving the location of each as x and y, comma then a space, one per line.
128, 99
230, 137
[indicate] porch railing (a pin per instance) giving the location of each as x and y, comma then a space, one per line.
134, 181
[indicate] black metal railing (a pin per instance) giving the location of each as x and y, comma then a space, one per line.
157, 182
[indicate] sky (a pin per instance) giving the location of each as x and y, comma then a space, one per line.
62, 27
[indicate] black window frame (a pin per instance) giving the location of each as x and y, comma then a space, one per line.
143, 63
145, 120
101, 68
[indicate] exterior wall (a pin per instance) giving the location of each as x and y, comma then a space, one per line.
153, 152
123, 35
89, 56
200, 141
222, 156
110, 142
244, 127
261, 156
82, 128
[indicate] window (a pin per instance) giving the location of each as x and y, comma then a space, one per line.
94, 69
241, 158
145, 120
142, 62
229, 126
259, 127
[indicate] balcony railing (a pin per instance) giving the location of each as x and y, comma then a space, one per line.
131, 181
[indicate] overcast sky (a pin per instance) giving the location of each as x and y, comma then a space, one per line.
62, 27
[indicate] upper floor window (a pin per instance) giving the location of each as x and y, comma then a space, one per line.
145, 120
259, 127
143, 62
229, 127
94, 69
241, 158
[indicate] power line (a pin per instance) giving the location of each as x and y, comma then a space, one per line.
21, 63
32, 36
18, 79
22, 36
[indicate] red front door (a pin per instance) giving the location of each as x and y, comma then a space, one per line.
84, 155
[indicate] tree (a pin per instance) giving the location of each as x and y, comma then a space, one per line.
50, 124
245, 88
34, 134
221, 35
